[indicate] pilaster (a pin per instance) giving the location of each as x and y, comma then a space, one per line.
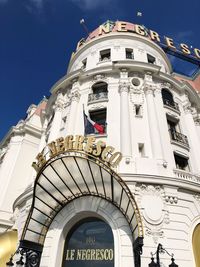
150, 89
125, 131
192, 136
57, 120
75, 97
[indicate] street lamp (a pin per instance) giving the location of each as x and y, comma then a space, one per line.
20, 262
159, 250
10, 263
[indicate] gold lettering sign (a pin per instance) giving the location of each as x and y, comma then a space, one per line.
89, 254
78, 143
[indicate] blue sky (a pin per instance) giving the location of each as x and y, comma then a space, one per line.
38, 37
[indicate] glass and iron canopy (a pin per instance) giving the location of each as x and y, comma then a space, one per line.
69, 176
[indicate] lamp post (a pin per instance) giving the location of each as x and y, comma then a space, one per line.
10, 262
159, 250
20, 261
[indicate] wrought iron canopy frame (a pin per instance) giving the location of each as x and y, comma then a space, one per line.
71, 175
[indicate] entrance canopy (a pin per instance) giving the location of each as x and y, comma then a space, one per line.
69, 176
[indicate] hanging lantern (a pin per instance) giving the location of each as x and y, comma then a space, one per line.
152, 264
173, 264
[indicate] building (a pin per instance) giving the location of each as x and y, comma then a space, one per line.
107, 193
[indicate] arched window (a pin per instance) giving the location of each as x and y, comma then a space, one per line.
168, 99
99, 88
89, 243
195, 244
99, 92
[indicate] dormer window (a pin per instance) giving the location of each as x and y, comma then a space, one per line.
105, 55
129, 53
151, 59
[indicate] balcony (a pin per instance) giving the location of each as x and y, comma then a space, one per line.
171, 104
187, 176
97, 97
129, 56
179, 137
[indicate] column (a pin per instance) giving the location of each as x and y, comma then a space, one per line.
166, 147
193, 139
125, 131
57, 120
75, 97
153, 122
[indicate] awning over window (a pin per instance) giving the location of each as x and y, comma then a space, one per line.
8, 245
71, 176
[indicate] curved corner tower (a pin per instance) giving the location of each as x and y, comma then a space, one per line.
97, 207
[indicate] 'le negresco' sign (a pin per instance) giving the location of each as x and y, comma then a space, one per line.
120, 26
78, 143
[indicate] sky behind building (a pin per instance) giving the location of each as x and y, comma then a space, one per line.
38, 37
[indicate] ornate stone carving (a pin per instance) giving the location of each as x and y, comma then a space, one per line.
137, 99
155, 234
197, 197
149, 88
124, 87
152, 202
188, 109
75, 96
157, 91
197, 120
59, 103
124, 74
171, 199
33, 259
3, 152
99, 77
148, 77
165, 85
98, 106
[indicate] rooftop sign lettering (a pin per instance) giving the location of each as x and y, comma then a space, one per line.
120, 26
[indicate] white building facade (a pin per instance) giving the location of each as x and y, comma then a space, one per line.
124, 82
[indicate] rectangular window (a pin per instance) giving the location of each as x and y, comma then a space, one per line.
84, 63
104, 55
99, 117
181, 162
141, 150
173, 125
129, 53
151, 59
175, 132
138, 110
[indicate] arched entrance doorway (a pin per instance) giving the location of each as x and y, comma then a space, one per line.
69, 176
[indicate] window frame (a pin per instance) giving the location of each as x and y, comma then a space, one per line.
105, 55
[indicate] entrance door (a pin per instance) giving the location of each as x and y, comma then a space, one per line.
89, 243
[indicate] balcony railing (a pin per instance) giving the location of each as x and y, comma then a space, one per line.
171, 104
179, 137
129, 56
188, 176
97, 97
104, 58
